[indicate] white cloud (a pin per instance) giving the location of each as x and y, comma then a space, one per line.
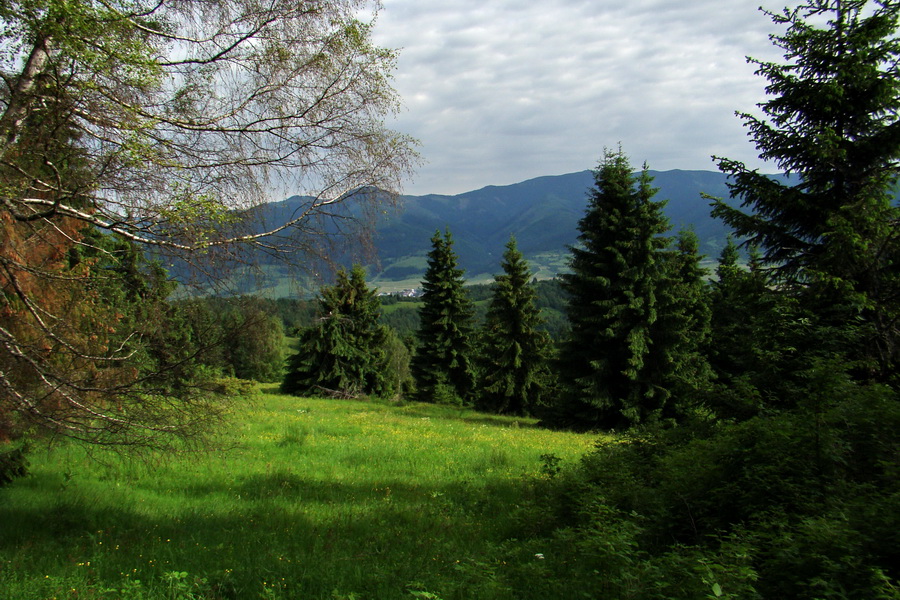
500, 91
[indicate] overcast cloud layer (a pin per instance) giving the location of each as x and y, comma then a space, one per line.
499, 91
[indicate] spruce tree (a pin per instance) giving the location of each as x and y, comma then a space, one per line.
677, 359
343, 354
735, 298
829, 234
514, 370
612, 307
442, 367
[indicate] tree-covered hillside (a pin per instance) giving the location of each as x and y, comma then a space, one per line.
541, 213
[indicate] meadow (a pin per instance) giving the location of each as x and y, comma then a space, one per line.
307, 499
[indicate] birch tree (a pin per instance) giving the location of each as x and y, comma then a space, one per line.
166, 125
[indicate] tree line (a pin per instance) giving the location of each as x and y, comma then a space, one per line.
761, 455
249, 338
635, 299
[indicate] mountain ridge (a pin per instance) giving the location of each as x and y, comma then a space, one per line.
542, 212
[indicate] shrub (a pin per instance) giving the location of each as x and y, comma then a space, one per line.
797, 504
13, 464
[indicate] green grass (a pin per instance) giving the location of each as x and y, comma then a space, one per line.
413, 305
315, 499
393, 287
547, 265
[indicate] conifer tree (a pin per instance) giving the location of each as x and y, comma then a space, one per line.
343, 354
442, 367
751, 322
732, 295
514, 368
613, 304
733, 298
830, 233
677, 356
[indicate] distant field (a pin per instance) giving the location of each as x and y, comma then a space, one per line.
316, 499
392, 287
549, 264
544, 266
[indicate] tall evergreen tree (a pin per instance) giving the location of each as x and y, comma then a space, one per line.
677, 355
442, 367
514, 368
830, 234
613, 303
806, 491
343, 354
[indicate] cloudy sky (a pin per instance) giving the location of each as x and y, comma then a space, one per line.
499, 91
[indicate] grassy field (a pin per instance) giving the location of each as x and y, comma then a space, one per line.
315, 499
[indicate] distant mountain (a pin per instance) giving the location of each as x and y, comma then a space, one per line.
542, 213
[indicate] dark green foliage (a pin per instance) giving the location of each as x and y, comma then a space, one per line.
442, 367
295, 313
806, 495
327, 363
481, 292
514, 358
613, 305
184, 342
254, 343
404, 320
195, 332
833, 121
236, 337
403, 316
552, 300
346, 352
679, 336
742, 319
760, 342
794, 491
13, 464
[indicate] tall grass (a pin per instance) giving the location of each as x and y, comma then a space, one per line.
315, 499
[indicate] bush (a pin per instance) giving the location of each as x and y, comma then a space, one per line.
13, 464
796, 504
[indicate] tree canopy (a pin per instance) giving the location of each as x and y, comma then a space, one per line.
155, 119
789, 474
831, 120
345, 353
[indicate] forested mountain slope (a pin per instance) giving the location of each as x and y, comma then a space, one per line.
542, 213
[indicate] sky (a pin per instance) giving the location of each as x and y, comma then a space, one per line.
500, 91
